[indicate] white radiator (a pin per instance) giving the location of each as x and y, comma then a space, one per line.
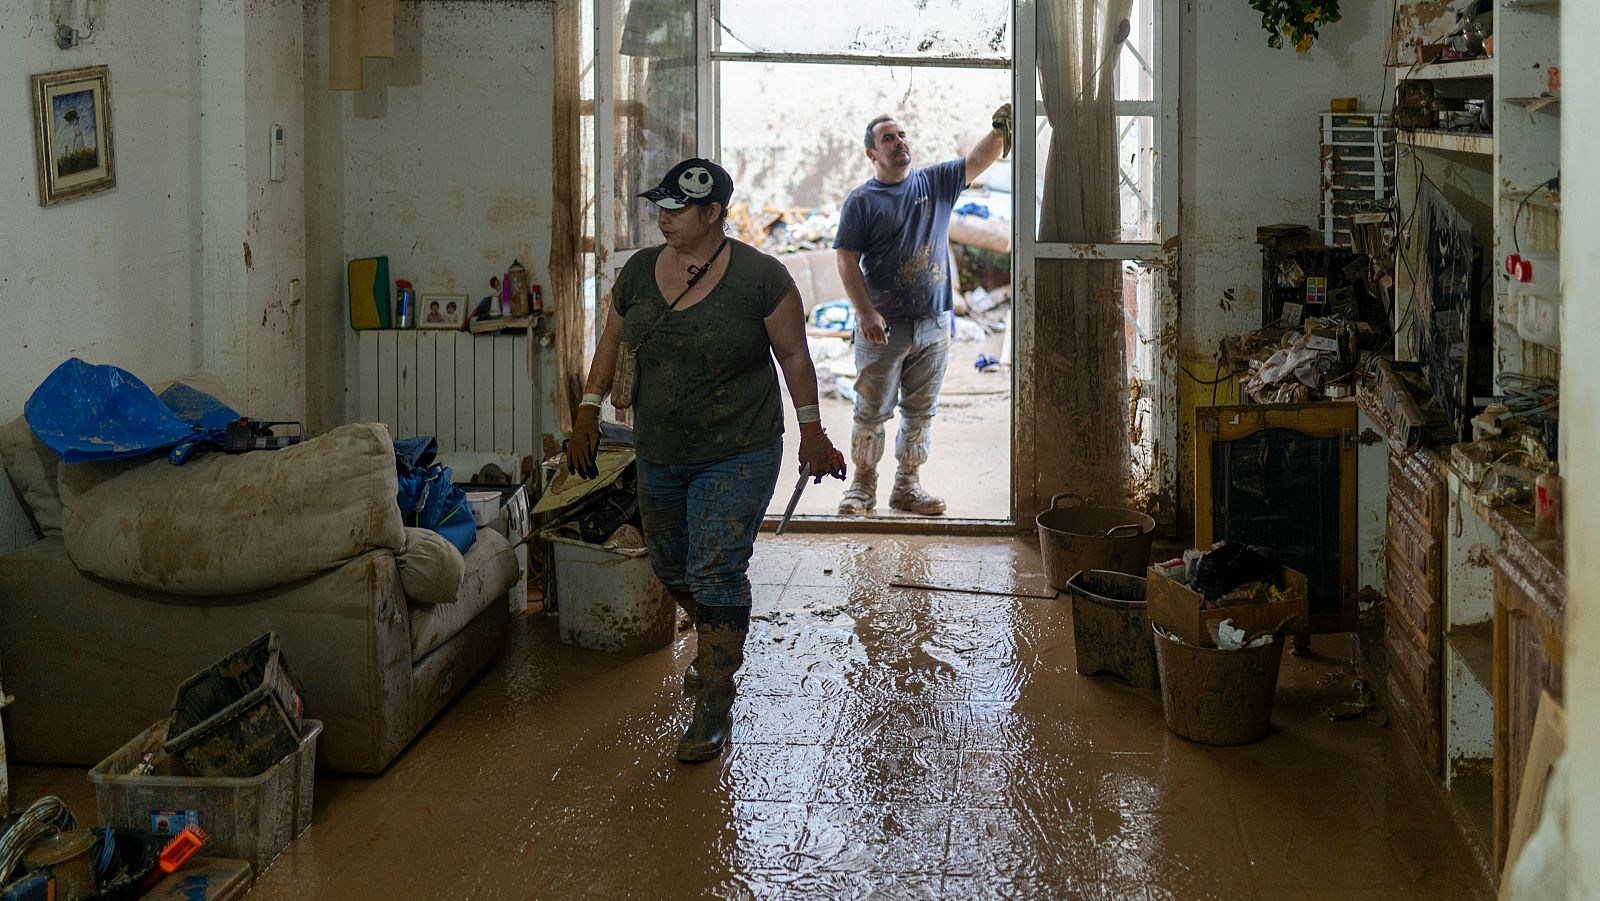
473, 392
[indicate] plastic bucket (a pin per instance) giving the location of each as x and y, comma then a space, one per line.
1110, 635
1075, 536
610, 600
1217, 697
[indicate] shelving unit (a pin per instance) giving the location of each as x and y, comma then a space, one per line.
1497, 598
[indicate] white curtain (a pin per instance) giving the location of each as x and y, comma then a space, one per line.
1080, 370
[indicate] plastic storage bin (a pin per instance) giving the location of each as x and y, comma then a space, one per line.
238, 716
1110, 634
610, 600
248, 819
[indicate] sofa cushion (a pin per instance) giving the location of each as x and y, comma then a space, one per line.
225, 524
32, 464
430, 567
32, 468
491, 570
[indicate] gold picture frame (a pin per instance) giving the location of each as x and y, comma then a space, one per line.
72, 134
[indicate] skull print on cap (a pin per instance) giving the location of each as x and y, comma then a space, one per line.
692, 181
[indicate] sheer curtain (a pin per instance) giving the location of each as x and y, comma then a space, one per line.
1081, 372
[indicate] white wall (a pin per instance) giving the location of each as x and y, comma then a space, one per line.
1580, 427
441, 161
1251, 152
109, 278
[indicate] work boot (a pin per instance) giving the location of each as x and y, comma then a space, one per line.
908, 496
720, 654
861, 497
686, 601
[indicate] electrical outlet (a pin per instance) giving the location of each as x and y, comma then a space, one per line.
275, 154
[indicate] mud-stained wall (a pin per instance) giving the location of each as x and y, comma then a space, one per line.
108, 278
441, 162
1249, 116
1580, 433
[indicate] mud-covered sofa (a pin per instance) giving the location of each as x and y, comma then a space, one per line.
145, 572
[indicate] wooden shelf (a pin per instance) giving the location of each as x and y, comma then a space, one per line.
1460, 68
1550, 103
1480, 143
1475, 645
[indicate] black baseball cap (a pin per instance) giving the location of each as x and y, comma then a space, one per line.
690, 182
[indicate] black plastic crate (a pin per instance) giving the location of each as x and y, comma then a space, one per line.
238, 716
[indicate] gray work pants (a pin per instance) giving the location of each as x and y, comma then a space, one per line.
907, 371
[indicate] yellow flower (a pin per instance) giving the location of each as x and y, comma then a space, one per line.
1303, 44
1315, 14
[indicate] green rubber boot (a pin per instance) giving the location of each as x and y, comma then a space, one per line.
720, 653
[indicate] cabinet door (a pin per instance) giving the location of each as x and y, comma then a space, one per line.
1528, 660
1283, 476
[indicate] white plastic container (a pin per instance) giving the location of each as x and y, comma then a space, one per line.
610, 600
485, 506
1535, 296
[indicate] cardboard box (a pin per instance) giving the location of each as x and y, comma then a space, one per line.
1180, 609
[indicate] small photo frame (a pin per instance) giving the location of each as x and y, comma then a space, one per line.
443, 311
72, 134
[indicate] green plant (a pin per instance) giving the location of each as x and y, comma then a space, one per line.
1297, 20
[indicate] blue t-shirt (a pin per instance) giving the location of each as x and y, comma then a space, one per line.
902, 232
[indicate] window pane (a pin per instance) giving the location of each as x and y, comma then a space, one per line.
655, 108
1135, 175
810, 155
962, 28
1136, 62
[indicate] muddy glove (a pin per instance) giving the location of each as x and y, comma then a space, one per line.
583, 445
819, 453
1002, 124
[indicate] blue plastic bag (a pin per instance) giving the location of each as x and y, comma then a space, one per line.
87, 412
428, 498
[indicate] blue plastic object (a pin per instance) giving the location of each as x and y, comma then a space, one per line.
87, 412
428, 498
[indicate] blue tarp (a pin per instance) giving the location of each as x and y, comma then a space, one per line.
87, 412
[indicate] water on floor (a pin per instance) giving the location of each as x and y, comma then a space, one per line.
888, 743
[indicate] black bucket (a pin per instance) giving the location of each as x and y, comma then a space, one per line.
1109, 632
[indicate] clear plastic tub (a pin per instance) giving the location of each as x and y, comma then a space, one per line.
250, 819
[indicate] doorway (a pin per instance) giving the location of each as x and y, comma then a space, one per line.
782, 102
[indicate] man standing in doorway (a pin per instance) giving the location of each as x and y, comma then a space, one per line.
894, 259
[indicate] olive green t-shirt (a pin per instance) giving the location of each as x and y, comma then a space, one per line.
708, 388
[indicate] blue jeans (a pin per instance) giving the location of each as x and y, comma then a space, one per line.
700, 521
909, 370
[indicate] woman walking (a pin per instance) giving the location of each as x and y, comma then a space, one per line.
703, 316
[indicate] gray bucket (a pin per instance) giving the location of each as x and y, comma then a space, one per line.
1110, 635
1074, 536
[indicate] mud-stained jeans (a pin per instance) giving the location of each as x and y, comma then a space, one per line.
909, 371
701, 519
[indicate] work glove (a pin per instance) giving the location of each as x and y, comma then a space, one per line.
817, 452
1002, 123
583, 444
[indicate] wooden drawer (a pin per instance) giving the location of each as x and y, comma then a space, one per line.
1413, 484
1423, 733
1418, 669
1416, 609
1411, 541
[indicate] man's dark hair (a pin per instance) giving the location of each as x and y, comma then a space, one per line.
874, 124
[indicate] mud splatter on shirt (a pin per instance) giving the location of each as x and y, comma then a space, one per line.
708, 386
901, 231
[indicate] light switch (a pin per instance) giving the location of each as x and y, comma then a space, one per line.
275, 157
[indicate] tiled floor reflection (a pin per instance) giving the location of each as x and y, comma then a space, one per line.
890, 743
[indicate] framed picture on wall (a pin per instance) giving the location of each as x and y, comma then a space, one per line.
444, 311
72, 134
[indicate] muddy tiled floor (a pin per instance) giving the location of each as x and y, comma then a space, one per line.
889, 743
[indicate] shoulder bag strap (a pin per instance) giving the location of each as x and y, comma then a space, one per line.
696, 273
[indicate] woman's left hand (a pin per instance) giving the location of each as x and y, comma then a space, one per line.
819, 453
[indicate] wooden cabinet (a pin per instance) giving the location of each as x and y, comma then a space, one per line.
1414, 612
1528, 619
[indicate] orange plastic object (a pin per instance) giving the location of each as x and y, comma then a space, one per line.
180, 849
